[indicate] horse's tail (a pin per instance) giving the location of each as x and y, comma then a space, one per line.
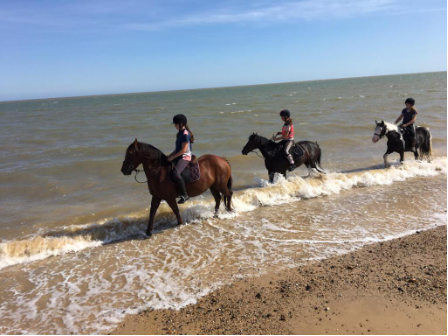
230, 183
425, 150
228, 199
317, 163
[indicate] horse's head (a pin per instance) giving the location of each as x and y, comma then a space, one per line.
380, 130
251, 144
132, 159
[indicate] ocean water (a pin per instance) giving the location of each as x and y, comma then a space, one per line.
73, 258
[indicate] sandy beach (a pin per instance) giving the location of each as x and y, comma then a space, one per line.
393, 287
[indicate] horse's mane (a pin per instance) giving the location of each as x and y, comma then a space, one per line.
391, 127
150, 152
255, 135
271, 146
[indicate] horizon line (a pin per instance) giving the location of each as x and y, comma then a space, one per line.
210, 88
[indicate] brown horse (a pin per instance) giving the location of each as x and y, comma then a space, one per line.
216, 175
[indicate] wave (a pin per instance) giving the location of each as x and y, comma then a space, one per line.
78, 237
233, 112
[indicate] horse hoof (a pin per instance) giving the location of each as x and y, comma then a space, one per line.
216, 215
148, 234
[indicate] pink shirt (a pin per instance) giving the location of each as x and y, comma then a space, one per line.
288, 131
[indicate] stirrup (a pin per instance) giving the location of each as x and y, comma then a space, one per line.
183, 199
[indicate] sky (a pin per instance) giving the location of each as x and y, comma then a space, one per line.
87, 47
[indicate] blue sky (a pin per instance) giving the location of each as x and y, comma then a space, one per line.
70, 48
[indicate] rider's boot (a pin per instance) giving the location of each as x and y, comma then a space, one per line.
180, 184
292, 166
183, 193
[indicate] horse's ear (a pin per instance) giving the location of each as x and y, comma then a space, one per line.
136, 144
376, 122
382, 123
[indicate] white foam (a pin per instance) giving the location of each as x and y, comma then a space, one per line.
295, 187
17, 252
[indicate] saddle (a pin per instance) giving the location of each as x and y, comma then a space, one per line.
296, 152
191, 173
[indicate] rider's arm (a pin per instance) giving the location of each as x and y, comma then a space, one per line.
399, 118
277, 137
179, 153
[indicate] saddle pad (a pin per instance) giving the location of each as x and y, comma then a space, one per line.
190, 174
296, 151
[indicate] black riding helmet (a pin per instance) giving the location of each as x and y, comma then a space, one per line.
180, 119
410, 101
285, 113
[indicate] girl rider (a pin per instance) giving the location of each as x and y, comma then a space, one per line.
181, 157
287, 136
409, 115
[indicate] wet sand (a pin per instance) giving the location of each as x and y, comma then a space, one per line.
394, 287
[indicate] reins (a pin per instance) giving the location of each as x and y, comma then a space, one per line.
135, 177
258, 154
137, 171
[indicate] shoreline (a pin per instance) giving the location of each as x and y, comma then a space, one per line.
392, 287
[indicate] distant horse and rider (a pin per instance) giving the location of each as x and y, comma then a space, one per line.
303, 152
399, 142
405, 137
287, 154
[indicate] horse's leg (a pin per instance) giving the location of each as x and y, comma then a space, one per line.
229, 201
271, 177
416, 156
386, 163
226, 191
401, 157
217, 196
309, 169
155, 203
173, 205
319, 169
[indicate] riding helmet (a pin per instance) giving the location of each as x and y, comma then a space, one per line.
285, 113
410, 101
180, 119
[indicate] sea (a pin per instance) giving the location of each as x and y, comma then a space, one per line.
74, 257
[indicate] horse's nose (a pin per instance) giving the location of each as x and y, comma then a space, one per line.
375, 138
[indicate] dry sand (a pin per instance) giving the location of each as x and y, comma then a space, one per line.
394, 287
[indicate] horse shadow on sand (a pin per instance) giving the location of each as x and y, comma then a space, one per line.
115, 230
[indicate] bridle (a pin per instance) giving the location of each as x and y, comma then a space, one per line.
137, 171
254, 150
381, 135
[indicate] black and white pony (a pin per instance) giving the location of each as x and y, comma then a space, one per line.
303, 152
397, 142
